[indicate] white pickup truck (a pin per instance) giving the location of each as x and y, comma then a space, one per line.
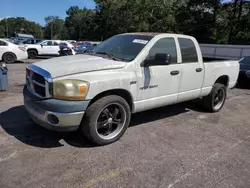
45, 48
128, 73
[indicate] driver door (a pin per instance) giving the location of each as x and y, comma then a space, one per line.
158, 84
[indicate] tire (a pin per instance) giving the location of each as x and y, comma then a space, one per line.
98, 132
209, 102
9, 58
32, 54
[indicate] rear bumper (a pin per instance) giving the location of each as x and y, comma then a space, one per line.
55, 114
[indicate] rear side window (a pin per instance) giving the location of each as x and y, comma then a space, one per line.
188, 51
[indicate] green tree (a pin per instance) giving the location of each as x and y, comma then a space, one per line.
55, 28
80, 23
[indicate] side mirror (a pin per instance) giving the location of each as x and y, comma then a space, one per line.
41, 45
159, 59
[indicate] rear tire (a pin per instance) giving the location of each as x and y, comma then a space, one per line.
106, 120
32, 54
216, 99
9, 58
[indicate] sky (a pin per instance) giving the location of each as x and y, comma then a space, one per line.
37, 10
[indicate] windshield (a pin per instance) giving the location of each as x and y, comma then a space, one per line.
124, 47
245, 60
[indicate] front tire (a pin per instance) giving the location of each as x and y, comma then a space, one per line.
9, 58
106, 120
216, 99
32, 54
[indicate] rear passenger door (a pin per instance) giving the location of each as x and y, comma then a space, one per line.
55, 48
192, 73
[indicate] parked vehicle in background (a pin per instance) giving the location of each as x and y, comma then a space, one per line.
45, 48
125, 74
32, 41
81, 43
19, 38
10, 52
65, 49
244, 75
82, 48
72, 41
29, 41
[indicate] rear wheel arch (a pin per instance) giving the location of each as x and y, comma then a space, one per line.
34, 49
35, 52
224, 80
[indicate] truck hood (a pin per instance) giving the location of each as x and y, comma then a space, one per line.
75, 64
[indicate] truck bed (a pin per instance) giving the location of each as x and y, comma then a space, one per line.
216, 68
210, 60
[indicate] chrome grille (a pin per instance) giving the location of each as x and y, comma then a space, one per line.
38, 82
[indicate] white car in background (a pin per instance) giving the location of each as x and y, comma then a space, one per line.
45, 48
10, 52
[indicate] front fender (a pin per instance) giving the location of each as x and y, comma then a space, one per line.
101, 81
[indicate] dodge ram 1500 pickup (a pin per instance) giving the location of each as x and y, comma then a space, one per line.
128, 73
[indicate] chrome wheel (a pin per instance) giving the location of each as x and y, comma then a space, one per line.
111, 121
219, 98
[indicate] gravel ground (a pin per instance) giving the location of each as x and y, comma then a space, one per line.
172, 147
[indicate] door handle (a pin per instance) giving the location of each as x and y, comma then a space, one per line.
173, 73
198, 69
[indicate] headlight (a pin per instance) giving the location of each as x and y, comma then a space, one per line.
70, 89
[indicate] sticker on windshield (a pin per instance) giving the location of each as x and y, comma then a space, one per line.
139, 41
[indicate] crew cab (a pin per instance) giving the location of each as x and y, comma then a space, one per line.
45, 48
10, 52
128, 73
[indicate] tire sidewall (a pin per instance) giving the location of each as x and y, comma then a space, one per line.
9, 54
89, 127
215, 89
32, 54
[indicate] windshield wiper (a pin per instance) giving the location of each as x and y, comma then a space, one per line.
109, 55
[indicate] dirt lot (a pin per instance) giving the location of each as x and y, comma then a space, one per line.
173, 147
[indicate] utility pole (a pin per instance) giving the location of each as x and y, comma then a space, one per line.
51, 30
7, 28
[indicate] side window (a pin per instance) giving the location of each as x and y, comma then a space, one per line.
56, 44
2, 43
47, 43
188, 51
165, 45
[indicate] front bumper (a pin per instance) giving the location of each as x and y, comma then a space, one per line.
58, 115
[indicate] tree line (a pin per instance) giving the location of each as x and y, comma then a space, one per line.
210, 21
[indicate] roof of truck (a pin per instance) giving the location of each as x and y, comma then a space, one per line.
153, 34
143, 33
